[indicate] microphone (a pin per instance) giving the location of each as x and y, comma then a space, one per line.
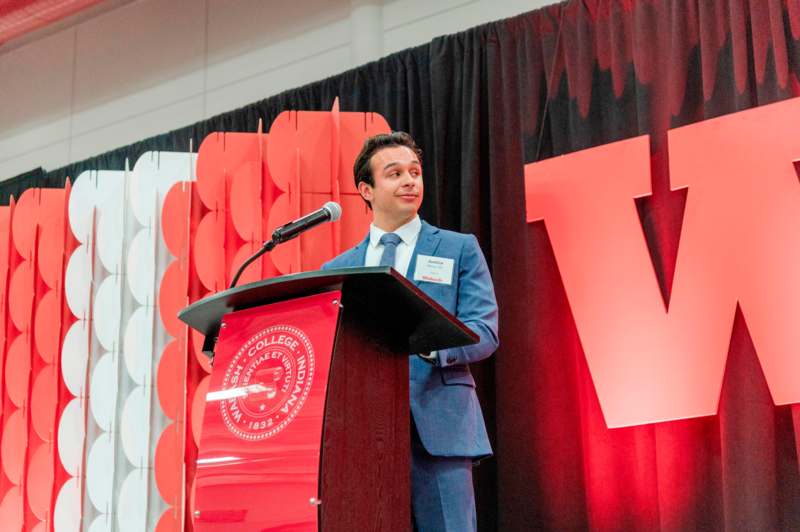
331, 211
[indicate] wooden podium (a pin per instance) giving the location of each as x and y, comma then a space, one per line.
306, 424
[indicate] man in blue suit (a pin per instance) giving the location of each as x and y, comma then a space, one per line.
448, 431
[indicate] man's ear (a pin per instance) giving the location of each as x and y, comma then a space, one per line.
365, 189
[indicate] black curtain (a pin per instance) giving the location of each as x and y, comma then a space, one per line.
482, 104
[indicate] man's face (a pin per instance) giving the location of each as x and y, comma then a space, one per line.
397, 193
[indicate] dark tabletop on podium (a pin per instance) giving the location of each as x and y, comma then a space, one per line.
383, 294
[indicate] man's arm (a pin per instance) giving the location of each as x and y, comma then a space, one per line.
476, 308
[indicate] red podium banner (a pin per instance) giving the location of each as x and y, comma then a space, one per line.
259, 461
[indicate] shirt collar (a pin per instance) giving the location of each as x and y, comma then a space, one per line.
408, 233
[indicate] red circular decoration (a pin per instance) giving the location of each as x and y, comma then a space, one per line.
23, 223
168, 466
284, 256
209, 251
47, 326
40, 480
220, 155
175, 217
20, 296
12, 510
198, 408
197, 347
5, 224
18, 366
51, 251
169, 379
172, 297
169, 521
211, 168
245, 207
253, 271
282, 149
44, 401
12, 448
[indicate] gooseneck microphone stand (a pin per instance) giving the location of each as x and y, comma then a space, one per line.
268, 246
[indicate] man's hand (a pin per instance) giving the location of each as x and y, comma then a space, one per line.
430, 357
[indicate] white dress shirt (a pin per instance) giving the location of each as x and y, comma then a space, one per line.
408, 234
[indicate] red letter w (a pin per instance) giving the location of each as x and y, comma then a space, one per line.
740, 242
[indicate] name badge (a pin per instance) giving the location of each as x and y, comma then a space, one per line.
434, 269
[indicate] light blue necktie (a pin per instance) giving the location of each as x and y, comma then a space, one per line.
389, 241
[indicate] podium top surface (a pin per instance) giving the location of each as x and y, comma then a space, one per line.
381, 292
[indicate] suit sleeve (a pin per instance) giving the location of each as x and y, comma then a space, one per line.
476, 307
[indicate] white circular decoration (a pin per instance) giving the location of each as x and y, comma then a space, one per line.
71, 434
110, 228
132, 505
78, 281
174, 167
142, 266
101, 523
67, 513
100, 473
143, 192
138, 347
74, 354
82, 199
107, 312
135, 427
103, 391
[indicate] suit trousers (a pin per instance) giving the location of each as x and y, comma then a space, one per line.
442, 496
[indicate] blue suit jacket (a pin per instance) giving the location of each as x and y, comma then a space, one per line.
443, 401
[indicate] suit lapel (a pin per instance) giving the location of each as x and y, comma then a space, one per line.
427, 243
360, 252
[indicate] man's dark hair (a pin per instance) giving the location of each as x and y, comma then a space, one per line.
362, 169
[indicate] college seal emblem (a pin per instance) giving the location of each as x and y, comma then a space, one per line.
269, 379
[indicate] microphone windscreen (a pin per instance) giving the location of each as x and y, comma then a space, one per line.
335, 209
